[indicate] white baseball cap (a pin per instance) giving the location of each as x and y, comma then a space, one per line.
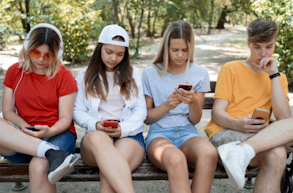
110, 31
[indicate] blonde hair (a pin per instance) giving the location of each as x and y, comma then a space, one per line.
175, 30
38, 37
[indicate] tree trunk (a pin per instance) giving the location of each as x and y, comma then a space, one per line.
166, 22
23, 21
115, 6
211, 16
130, 21
27, 8
138, 28
154, 24
222, 19
148, 31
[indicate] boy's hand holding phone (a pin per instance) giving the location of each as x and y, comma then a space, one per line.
260, 114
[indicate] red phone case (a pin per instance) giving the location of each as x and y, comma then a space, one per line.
111, 124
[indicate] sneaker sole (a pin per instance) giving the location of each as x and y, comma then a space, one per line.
223, 151
67, 164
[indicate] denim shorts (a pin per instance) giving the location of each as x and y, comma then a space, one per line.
177, 135
138, 138
65, 141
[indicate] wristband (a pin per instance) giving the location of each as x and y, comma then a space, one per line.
274, 75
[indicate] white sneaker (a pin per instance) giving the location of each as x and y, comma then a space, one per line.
235, 159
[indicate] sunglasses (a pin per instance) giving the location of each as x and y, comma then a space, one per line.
37, 54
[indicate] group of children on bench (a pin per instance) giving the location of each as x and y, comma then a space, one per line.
41, 99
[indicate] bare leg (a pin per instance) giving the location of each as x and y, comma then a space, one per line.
202, 156
38, 170
13, 140
132, 152
272, 164
274, 135
97, 149
162, 153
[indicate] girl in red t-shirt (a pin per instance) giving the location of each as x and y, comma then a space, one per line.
38, 99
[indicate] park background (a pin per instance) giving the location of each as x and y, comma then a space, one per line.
219, 29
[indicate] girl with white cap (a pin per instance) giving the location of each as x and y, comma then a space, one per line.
111, 89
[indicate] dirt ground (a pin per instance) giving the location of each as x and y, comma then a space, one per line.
211, 51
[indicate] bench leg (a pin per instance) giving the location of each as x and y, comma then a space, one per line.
18, 186
249, 184
287, 181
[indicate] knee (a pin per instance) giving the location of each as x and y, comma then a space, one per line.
177, 160
275, 158
96, 137
38, 169
96, 140
207, 154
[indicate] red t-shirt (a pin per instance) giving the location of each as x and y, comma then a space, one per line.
37, 98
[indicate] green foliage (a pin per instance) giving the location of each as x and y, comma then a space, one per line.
73, 19
280, 11
4, 34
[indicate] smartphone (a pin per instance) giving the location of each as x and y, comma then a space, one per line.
185, 86
32, 128
113, 124
261, 114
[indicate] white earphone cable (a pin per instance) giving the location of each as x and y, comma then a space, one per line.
13, 102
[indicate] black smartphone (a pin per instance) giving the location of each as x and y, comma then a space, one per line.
185, 86
32, 128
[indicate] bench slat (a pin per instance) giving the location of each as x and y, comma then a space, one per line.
82, 172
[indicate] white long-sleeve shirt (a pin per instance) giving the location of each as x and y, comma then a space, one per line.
86, 115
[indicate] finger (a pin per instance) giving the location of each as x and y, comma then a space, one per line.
110, 129
257, 121
29, 132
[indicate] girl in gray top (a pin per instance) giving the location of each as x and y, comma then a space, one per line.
173, 143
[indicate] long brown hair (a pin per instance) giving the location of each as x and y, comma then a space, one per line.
122, 76
37, 38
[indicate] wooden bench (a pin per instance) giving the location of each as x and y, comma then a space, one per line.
146, 171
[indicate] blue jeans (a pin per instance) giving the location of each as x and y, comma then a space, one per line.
65, 141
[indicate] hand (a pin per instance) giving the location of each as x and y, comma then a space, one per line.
42, 133
112, 132
249, 125
186, 96
268, 64
173, 101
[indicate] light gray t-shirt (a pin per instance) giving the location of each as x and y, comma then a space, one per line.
159, 87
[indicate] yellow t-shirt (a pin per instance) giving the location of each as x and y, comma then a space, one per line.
244, 90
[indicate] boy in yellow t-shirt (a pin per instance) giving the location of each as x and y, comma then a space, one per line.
243, 86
